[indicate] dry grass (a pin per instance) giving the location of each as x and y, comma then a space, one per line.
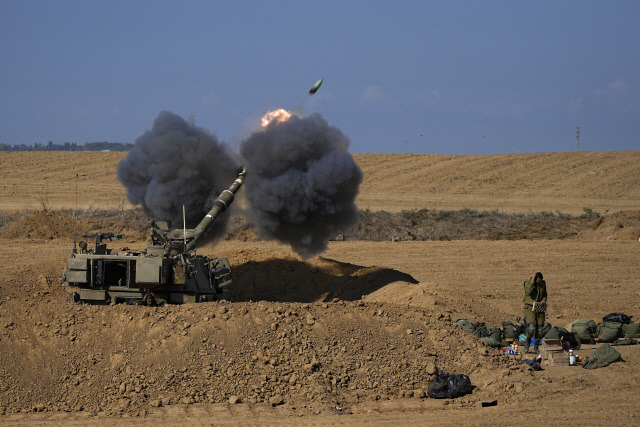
468, 224
6, 219
423, 224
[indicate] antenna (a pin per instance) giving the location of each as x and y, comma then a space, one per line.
184, 227
577, 138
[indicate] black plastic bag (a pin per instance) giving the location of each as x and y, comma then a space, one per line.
535, 365
446, 386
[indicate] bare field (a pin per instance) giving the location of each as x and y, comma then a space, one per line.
565, 182
368, 351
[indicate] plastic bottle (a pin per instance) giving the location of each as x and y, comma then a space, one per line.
572, 358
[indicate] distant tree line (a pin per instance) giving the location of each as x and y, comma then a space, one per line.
69, 146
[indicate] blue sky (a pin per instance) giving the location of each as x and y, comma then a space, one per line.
457, 77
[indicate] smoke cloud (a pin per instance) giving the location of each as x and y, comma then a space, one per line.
176, 164
301, 182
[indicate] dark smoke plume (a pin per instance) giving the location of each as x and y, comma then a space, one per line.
176, 164
301, 182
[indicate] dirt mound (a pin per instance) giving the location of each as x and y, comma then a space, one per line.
624, 225
54, 225
60, 356
56, 355
44, 225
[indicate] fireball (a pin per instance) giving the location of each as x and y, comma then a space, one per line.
279, 115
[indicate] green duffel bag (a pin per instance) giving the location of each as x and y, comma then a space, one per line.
585, 329
491, 341
631, 330
555, 333
609, 331
465, 324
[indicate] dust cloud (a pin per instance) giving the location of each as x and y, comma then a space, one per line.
301, 182
174, 164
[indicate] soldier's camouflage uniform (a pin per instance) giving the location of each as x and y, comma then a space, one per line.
534, 292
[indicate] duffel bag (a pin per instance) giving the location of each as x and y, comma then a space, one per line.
585, 329
632, 330
609, 331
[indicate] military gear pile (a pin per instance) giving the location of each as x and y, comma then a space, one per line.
490, 336
511, 331
581, 331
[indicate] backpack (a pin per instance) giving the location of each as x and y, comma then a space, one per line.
584, 328
510, 331
617, 317
572, 338
632, 330
609, 331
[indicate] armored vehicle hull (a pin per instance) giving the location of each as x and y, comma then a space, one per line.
127, 276
169, 269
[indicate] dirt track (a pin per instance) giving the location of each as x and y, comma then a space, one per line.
369, 352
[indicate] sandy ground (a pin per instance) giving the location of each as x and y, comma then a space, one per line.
368, 352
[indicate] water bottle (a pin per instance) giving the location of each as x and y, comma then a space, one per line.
572, 358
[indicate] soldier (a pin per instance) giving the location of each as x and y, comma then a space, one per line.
150, 300
535, 291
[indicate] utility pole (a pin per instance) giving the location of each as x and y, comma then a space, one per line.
76, 209
577, 138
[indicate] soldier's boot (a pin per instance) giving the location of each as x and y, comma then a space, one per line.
536, 334
535, 348
531, 333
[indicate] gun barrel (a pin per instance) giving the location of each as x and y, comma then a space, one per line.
220, 205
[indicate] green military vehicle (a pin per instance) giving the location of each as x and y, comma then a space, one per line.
169, 268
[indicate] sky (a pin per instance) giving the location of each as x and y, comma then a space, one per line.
450, 77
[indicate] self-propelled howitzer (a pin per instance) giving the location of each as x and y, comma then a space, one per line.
169, 268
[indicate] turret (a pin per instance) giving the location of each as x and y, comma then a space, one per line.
181, 241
